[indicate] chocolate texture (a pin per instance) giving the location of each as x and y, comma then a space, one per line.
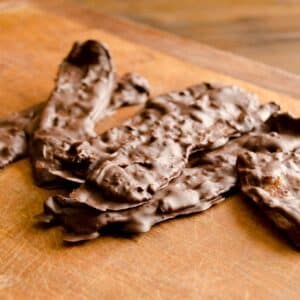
85, 91
14, 132
16, 129
198, 118
82, 91
201, 185
204, 182
272, 179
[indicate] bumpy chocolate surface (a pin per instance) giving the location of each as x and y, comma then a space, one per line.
199, 118
137, 131
83, 90
14, 131
131, 89
203, 183
272, 181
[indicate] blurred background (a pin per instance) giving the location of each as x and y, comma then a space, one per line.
265, 30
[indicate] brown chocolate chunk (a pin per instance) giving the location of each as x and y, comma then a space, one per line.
14, 131
201, 117
281, 133
272, 181
82, 92
131, 89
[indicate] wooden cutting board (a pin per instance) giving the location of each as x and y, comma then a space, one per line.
228, 252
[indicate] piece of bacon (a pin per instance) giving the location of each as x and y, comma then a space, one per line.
82, 92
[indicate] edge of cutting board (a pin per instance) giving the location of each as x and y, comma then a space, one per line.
188, 50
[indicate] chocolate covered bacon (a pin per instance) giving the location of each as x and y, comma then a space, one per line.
137, 130
198, 118
182, 153
272, 179
203, 183
82, 95
14, 131
131, 89
82, 91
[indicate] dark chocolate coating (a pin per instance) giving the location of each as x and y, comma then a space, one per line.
14, 131
131, 89
202, 184
176, 124
83, 89
272, 181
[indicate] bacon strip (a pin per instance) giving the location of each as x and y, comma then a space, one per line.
83, 89
272, 179
201, 117
203, 183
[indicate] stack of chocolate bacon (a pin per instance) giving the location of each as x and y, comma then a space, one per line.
179, 155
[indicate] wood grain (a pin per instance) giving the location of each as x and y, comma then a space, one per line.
185, 49
264, 30
227, 252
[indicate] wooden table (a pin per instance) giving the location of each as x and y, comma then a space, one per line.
263, 30
228, 252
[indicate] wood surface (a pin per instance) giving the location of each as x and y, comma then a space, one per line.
264, 30
228, 252
185, 49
